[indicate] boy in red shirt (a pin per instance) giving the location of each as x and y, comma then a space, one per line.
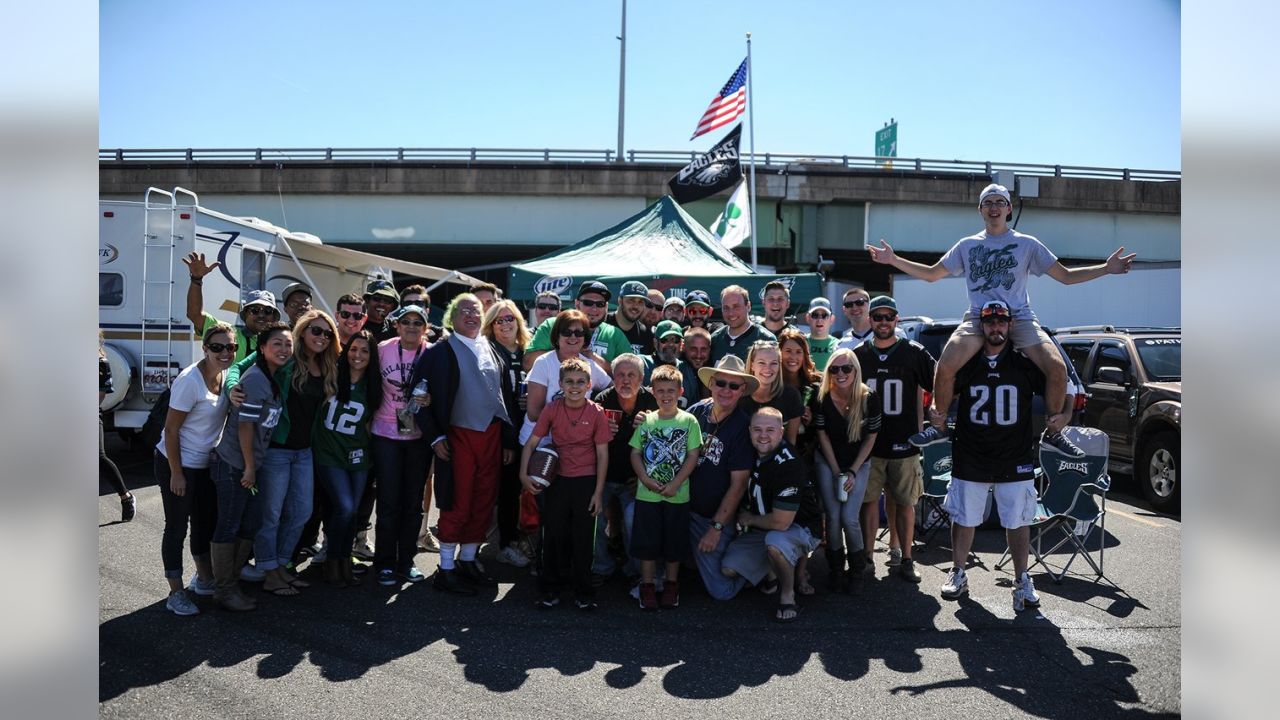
573, 500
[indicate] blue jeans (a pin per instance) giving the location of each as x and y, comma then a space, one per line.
286, 482
718, 586
345, 488
604, 564
844, 527
238, 509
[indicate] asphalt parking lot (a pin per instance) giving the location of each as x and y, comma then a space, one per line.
1092, 650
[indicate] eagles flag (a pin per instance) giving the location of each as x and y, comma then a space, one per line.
715, 170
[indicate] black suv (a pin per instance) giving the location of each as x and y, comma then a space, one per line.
1134, 380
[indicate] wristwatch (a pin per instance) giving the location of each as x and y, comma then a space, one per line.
717, 525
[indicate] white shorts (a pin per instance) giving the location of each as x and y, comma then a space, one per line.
1023, 333
966, 502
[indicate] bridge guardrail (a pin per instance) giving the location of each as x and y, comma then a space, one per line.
770, 161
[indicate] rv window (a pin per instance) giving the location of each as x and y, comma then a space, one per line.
110, 289
253, 270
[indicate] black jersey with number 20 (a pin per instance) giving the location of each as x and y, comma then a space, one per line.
993, 440
896, 374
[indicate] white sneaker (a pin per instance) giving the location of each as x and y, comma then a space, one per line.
512, 556
427, 541
321, 556
200, 588
251, 573
180, 603
1024, 594
895, 557
957, 584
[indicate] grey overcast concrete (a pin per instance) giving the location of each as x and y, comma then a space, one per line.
1092, 651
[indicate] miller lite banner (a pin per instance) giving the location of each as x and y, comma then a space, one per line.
715, 170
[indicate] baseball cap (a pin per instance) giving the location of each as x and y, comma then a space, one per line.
673, 301
819, 303
883, 301
994, 308
292, 288
594, 286
697, 297
667, 328
633, 288
259, 297
408, 310
994, 189
381, 288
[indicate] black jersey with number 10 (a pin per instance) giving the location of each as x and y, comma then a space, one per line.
896, 374
993, 440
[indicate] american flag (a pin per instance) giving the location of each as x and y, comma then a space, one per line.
728, 105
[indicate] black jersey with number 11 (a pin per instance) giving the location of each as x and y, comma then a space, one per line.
993, 440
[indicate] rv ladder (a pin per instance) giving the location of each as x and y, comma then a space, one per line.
157, 364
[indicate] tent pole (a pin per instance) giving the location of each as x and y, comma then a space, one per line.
751, 119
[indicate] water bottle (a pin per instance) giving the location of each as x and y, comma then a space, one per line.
418, 398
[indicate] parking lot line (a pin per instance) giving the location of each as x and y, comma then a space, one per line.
1142, 520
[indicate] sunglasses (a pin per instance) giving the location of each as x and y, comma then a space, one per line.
883, 317
348, 315
859, 302
256, 310
573, 333
1001, 203
594, 303
819, 315
318, 331
841, 369
995, 318
223, 347
730, 385
651, 306
407, 303
504, 320
548, 306
697, 310
411, 323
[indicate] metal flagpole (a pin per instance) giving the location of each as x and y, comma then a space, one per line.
751, 120
622, 79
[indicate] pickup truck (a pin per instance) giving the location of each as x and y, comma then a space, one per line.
1134, 380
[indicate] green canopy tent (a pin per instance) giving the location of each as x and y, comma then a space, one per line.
663, 247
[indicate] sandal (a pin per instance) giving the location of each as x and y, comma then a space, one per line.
779, 614
277, 583
292, 579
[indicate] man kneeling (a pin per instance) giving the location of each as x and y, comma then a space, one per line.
776, 521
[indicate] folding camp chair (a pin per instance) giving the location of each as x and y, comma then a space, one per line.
1068, 503
930, 516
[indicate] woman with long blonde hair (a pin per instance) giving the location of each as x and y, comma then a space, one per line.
764, 362
505, 328
847, 421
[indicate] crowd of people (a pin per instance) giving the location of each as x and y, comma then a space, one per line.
729, 450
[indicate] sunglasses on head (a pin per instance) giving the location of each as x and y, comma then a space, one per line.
859, 302
548, 306
256, 310
841, 369
573, 333
594, 303
348, 315
504, 320
729, 384
883, 317
222, 347
320, 332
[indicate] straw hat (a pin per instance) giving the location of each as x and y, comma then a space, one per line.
729, 365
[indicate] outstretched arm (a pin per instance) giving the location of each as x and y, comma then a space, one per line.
886, 256
195, 294
1116, 264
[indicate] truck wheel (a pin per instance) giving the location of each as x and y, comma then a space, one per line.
1158, 472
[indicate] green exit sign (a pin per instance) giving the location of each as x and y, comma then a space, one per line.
887, 140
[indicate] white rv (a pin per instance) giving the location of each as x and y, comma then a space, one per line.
142, 285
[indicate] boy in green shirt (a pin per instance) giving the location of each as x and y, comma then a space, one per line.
664, 454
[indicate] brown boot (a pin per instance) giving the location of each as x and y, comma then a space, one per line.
226, 585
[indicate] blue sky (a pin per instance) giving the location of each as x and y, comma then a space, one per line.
1079, 83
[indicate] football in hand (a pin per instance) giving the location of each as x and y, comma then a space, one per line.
543, 465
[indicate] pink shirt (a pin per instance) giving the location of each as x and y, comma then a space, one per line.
575, 432
395, 368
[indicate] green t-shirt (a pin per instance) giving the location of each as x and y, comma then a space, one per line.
242, 342
341, 437
820, 351
608, 340
664, 445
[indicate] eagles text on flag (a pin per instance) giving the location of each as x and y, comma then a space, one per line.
728, 105
715, 170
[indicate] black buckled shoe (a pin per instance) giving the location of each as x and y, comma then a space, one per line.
470, 571
449, 582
